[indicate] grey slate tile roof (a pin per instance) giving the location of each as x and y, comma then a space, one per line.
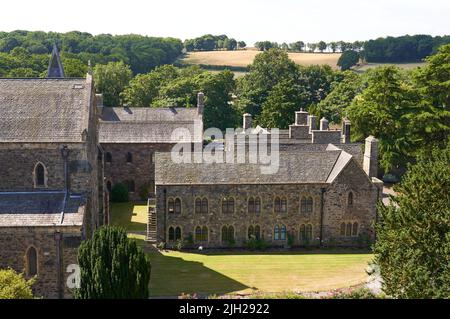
43, 110
40, 209
148, 125
295, 168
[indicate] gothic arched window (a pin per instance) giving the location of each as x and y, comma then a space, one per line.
178, 233
355, 229
32, 268
40, 175
129, 157
108, 157
350, 199
171, 234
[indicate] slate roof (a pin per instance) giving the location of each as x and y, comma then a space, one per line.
295, 168
40, 209
149, 125
43, 110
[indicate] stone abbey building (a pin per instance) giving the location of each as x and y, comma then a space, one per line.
62, 151
51, 177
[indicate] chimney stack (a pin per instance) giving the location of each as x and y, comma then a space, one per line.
346, 131
312, 122
246, 121
370, 163
324, 124
301, 117
200, 102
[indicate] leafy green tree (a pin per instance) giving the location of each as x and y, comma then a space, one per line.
297, 46
312, 47
334, 46
143, 89
242, 45
322, 46
218, 111
112, 266
74, 68
333, 106
413, 235
14, 286
348, 59
383, 110
433, 82
119, 193
279, 108
111, 79
266, 71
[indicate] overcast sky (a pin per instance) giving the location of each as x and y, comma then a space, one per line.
248, 20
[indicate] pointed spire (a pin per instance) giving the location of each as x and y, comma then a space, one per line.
55, 68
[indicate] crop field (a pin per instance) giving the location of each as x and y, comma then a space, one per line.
242, 58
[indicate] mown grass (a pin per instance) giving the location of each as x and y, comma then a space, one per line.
131, 216
175, 273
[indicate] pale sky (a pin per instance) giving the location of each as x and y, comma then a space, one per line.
248, 20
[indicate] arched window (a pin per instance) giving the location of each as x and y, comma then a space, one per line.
198, 205
178, 233
205, 206
257, 205
198, 233
171, 234
355, 229
280, 232
309, 232
280, 204
108, 157
32, 268
283, 232
108, 186
227, 234
204, 233
257, 232
254, 205
251, 232
201, 234
251, 205
350, 199
276, 233
129, 157
228, 205
348, 231
343, 229
177, 206
302, 232
306, 205
40, 175
170, 205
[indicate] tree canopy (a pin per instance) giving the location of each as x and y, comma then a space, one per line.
413, 235
14, 286
112, 266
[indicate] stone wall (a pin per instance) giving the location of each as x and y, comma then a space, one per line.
14, 243
141, 170
335, 211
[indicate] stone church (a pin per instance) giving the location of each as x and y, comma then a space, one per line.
51, 177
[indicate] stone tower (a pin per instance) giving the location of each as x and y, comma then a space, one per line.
55, 67
370, 163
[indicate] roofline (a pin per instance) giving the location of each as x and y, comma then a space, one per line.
59, 79
240, 184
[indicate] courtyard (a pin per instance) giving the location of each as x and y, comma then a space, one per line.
240, 271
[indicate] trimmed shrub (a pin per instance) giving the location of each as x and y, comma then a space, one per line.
119, 193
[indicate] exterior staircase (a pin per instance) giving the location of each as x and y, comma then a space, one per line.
151, 222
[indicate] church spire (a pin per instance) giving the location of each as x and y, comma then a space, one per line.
55, 68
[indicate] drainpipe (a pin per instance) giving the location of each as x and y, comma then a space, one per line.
165, 215
59, 280
321, 216
65, 156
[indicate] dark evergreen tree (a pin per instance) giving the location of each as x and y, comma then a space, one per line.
112, 266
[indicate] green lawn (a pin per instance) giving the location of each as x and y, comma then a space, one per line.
229, 272
132, 216
174, 273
